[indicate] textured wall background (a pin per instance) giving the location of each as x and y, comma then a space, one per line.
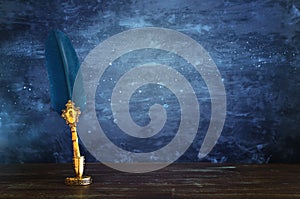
255, 44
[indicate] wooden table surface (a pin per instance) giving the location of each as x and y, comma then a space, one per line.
179, 180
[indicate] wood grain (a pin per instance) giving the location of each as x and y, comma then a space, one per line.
179, 180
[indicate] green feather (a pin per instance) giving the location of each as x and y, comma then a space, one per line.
62, 65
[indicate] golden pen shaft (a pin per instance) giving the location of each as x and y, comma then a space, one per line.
76, 150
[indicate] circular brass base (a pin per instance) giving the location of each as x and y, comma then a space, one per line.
85, 180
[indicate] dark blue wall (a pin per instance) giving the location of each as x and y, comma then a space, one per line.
255, 44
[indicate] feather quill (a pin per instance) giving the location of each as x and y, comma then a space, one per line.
62, 65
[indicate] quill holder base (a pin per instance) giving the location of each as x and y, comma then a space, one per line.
79, 179
71, 114
85, 180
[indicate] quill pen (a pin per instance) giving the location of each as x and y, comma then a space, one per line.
63, 65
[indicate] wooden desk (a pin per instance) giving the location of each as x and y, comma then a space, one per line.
192, 180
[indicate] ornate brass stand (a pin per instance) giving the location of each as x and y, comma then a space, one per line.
71, 114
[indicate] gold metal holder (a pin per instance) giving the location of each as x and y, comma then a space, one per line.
71, 114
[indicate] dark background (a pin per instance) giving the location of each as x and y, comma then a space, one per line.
255, 45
